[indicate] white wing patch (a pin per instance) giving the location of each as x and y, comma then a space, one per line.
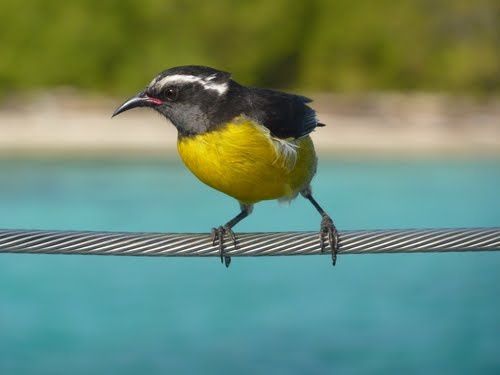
207, 83
286, 149
286, 152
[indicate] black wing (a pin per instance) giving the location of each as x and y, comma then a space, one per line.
285, 115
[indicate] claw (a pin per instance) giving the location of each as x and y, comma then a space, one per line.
329, 231
218, 235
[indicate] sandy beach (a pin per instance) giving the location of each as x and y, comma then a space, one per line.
421, 125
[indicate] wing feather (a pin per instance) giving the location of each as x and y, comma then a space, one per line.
285, 115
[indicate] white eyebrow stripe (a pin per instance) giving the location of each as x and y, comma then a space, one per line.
221, 88
178, 78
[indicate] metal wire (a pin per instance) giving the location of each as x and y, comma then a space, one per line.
249, 244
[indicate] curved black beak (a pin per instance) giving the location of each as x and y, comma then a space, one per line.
140, 100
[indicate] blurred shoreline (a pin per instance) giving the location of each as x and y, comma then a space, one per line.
65, 124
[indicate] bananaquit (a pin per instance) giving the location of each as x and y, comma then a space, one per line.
250, 143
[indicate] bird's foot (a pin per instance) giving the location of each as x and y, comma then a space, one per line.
218, 235
329, 233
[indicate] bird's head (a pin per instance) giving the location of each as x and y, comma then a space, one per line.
187, 95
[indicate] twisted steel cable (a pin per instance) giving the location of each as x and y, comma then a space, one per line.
249, 244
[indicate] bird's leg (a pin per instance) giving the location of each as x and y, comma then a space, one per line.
327, 230
219, 233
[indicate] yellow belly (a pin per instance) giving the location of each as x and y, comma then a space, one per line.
243, 161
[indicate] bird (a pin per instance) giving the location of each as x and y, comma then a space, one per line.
250, 143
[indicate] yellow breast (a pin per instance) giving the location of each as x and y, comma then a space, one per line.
242, 160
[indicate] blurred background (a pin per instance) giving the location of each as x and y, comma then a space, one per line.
409, 91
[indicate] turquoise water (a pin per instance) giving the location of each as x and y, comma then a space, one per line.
427, 313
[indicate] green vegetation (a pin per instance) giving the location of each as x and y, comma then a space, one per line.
115, 46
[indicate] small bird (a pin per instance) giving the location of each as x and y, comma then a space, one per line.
252, 144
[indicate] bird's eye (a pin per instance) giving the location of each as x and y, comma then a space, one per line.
170, 93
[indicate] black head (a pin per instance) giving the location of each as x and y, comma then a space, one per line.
186, 95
